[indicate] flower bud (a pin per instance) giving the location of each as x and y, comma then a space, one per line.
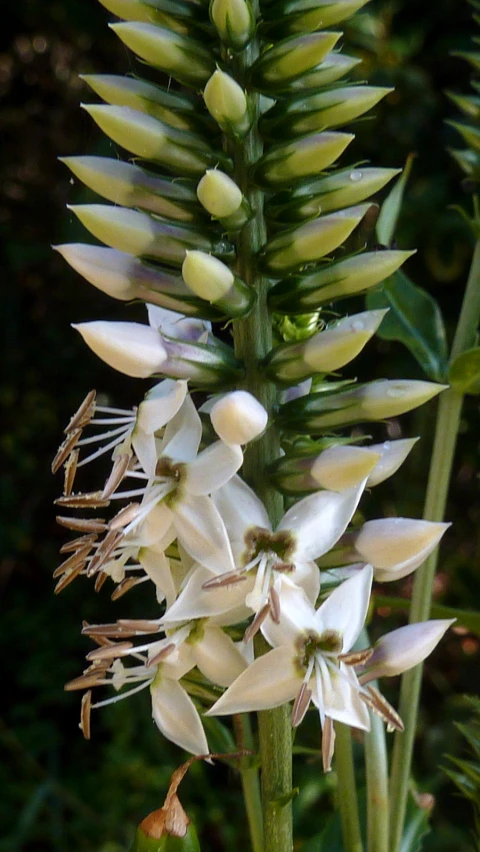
124, 277
140, 234
392, 456
290, 59
238, 418
342, 467
177, 16
223, 199
213, 281
339, 189
151, 139
309, 113
234, 21
174, 108
131, 186
300, 159
304, 16
228, 104
402, 649
176, 55
326, 351
309, 242
397, 546
333, 67
300, 294
376, 400
130, 347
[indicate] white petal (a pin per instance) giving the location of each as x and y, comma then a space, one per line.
197, 602
341, 700
319, 520
161, 404
173, 324
176, 716
269, 682
307, 575
240, 508
341, 467
202, 533
157, 526
182, 434
213, 468
346, 608
387, 542
404, 648
217, 656
157, 567
134, 349
297, 615
393, 454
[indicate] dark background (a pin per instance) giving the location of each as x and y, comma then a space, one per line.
57, 791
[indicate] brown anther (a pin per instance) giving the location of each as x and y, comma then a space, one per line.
256, 624
84, 413
328, 744
98, 666
92, 500
124, 587
69, 474
86, 525
85, 711
65, 449
285, 567
356, 658
230, 578
274, 602
85, 681
139, 625
100, 579
104, 551
69, 577
376, 701
124, 516
165, 652
76, 543
100, 630
300, 705
71, 563
110, 652
120, 467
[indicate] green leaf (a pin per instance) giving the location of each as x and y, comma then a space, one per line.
416, 827
415, 320
464, 372
390, 211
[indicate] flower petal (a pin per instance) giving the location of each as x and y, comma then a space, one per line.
297, 615
240, 508
176, 716
346, 608
269, 682
217, 656
404, 648
134, 349
157, 566
340, 698
319, 520
196, 602
182, 434
202, 533
213, 468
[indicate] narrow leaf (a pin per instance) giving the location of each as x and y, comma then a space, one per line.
390, 211
416, 827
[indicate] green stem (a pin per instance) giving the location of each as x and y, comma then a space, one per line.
250, 783
448, 421
347, 790
376, 771
253, 340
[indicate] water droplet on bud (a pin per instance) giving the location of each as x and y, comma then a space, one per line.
356, 175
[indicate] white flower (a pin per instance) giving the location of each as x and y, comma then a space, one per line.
404, 648
397, 546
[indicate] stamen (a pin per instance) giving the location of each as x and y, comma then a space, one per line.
110, 652
65, 449
69, 577
301, 704
328, 744
356, 658
104, 551
100, 452
140, 625
69, 474
78, 542
230, 578
92, 500
94, 439
94, 525
274, 602
84, 413
112, 421
123, 495
105, 409
124, 694
85, 709
85, 681
124, 516
100, 580
125, 586
379, 704
80, 556
165, 652
256, 624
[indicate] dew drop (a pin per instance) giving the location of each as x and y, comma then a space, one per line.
396, 392
356, 176
358, 325
386, 446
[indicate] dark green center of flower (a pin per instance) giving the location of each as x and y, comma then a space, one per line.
259, 540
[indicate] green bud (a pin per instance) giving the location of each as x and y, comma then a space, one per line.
333, 67
305, 16
336, 469
140, 234
156, 834
357, 273
172, 14
468, 104
338, 189
470, 134
301, 159
290, 59
224, 200
322, 110
234, 21
310, 242
206, 365
179, 56
228, 104
131, 186
362, 403
151, 139
174, 108
212, 280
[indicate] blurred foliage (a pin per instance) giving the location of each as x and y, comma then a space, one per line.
59, 792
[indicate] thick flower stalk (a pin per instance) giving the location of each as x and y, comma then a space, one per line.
234, 206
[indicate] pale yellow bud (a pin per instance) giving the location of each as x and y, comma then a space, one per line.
207, 276
219, 194
342, 467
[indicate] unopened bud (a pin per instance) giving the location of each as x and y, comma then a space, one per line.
302, 16
176, 17
326, 351
223, 199
140, 234
358, 404
300, 159
238, 418
228, 104
333, 67
310, 242
291, 59
234, 21
177, 150
179, 56
392, 456
300, 294
213, 281
342, 467
130, 347
402, 649
397, 546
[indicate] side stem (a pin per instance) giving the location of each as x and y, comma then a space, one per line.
448, 421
